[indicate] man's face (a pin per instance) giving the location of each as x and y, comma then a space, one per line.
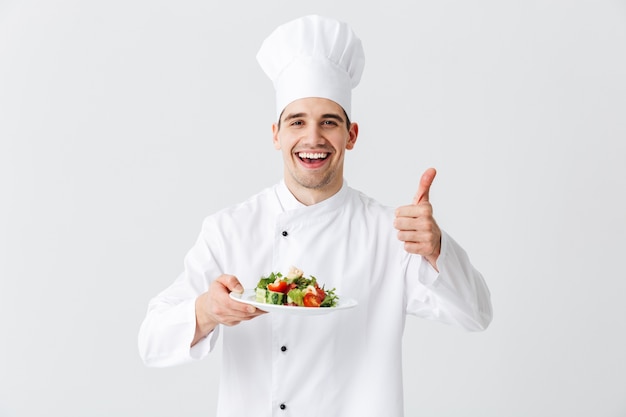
313, 137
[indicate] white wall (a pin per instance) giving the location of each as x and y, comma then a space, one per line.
124, 123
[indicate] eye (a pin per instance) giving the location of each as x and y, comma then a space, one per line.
329, 122
296, 123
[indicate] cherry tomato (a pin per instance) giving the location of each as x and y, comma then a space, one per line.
278, 286
311, 300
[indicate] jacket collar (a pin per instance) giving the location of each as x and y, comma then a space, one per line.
288, 202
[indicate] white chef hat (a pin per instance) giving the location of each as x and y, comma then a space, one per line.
313, 56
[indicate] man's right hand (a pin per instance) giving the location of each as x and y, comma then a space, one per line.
216, 307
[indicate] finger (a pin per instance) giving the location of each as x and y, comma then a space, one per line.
231, 283
424, 188
239, 309
235, 319
225, 308
424, 209
242, 311
411, 224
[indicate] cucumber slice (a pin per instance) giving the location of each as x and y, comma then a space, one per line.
272, 297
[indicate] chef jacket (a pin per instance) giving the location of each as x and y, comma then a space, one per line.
344, 363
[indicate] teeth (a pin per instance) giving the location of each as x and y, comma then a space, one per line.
308, 155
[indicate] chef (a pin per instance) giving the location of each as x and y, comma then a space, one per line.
392, 262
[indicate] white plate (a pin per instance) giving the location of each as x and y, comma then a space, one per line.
249, 297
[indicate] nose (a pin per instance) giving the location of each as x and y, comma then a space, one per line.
313, 136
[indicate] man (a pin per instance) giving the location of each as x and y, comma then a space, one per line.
392, 262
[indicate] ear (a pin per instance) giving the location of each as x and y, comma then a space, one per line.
353, 134
275, 139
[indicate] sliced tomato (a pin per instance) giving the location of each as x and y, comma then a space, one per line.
321, 294
278, 286
312, 300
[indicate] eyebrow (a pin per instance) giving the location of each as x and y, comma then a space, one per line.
333, 116
293, 116
324, 116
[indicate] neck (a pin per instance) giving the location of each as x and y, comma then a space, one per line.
311, 196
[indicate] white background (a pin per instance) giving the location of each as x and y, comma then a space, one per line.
124, 123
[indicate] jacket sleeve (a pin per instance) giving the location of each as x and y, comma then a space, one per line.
168, 329
457, 294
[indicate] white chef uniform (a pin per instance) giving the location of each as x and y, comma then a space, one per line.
346, 363
339, 364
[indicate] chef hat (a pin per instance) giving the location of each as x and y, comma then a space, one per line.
312, 56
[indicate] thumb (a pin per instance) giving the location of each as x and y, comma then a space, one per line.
424, 188
231, 283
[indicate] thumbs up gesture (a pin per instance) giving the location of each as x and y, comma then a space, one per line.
415, 223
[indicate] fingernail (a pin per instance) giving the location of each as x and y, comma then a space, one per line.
251, 309
238, 288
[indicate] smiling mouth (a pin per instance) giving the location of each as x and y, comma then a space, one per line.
312, 157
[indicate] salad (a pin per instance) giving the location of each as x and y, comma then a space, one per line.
294, 290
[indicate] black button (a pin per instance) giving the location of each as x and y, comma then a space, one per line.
283, 406
285, 233
283, 348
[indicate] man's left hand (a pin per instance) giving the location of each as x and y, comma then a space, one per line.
415, 223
